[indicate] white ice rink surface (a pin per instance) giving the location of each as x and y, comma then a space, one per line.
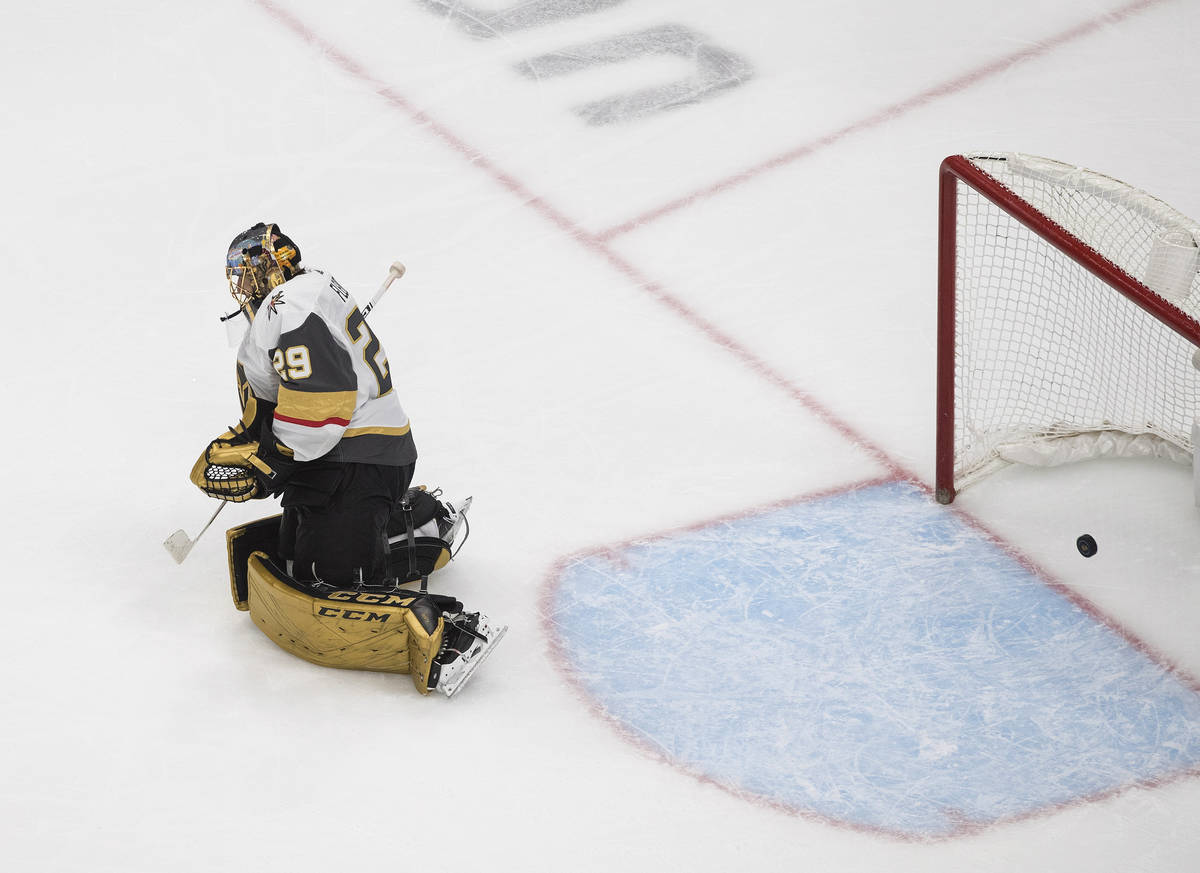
606, 331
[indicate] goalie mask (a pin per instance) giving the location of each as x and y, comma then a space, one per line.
259, 260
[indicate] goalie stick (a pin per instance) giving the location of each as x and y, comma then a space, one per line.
179, 545
395, 271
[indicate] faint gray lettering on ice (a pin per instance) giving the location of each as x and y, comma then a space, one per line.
487, 23
716, 69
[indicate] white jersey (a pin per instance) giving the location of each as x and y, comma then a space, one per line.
309, 351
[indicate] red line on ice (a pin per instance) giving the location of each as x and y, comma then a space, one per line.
588, 240
889, 113
598, 243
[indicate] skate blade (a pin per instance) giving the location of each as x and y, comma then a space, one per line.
456, 685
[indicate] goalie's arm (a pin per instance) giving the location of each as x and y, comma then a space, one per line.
256, 407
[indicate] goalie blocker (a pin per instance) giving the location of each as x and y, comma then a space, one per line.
384, 628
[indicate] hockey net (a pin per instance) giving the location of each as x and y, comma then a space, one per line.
1067, 305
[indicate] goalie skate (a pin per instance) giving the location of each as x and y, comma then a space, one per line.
455, 520
468, 641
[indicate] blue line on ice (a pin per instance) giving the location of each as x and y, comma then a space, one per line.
870, 658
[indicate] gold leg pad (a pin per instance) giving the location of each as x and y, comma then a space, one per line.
423, 647
347, 629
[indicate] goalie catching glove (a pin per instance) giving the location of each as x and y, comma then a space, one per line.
237, 469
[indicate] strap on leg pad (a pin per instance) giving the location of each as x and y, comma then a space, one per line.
411, 557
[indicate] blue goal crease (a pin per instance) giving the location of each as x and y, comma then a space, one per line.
871, 658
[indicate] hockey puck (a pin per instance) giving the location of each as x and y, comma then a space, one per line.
1086, 545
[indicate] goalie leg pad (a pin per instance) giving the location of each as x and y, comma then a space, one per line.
241, 542
425, 631
354, 630
394, 631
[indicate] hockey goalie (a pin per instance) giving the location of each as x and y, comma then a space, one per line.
329, 579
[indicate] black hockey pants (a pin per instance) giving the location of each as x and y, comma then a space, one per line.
335, 519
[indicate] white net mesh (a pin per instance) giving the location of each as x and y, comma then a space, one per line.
1046, 352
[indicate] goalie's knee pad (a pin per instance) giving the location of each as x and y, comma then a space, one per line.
422, 532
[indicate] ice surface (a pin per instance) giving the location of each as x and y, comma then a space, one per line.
605, 331
871, 658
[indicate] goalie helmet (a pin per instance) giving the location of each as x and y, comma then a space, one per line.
259, 260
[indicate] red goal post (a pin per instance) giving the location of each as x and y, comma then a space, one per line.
1067, 319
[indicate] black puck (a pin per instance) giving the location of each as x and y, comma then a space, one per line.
1086, 545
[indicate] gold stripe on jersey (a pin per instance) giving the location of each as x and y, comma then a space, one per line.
315, 408
380, 431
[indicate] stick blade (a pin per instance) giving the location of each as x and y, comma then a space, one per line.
178, 545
